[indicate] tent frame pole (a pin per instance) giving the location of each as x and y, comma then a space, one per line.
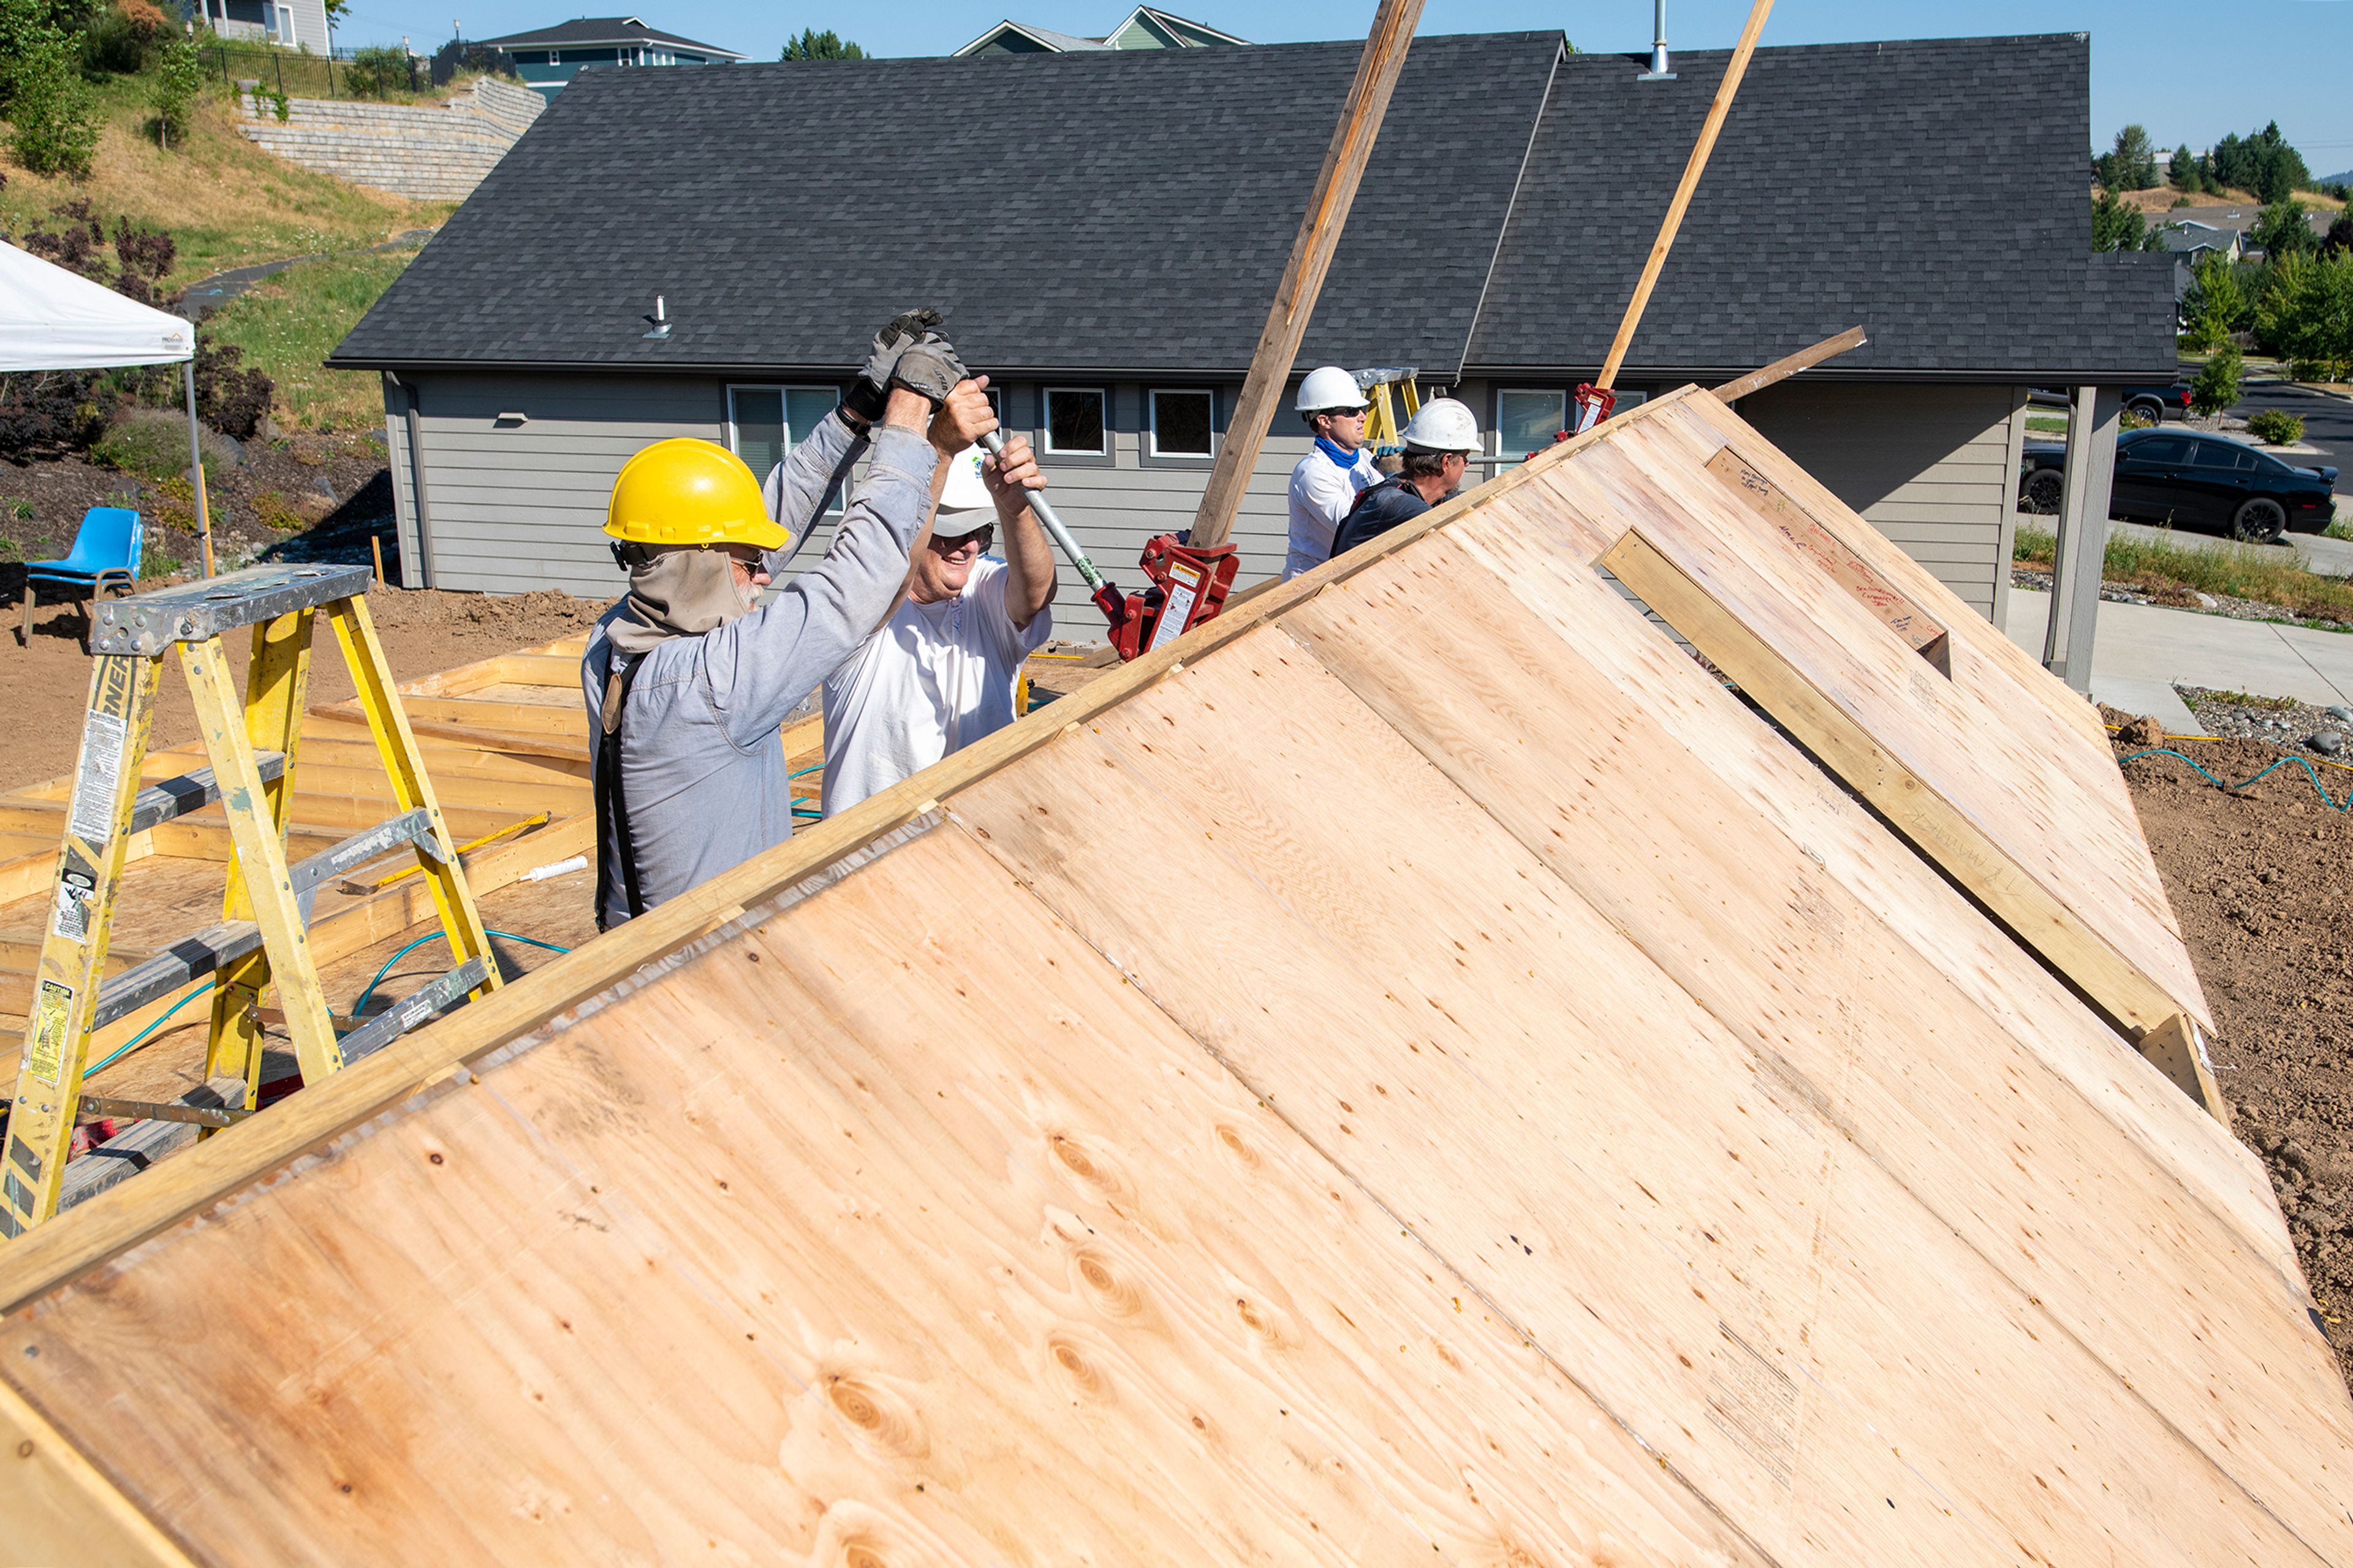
196, 465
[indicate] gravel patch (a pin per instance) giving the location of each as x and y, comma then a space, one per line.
2278, 721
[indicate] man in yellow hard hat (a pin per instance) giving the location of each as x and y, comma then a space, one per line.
685, 679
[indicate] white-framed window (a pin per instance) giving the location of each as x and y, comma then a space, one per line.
1075, 420
1527, 418
763, 423
1184, 422
555, 57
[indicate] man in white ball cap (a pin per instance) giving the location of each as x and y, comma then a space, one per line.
940, 672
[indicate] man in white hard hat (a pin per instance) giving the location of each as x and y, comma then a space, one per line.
1439, 444
1327, 480
939, 672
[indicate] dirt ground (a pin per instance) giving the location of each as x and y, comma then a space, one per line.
2258, 878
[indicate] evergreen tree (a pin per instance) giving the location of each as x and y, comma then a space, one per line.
813, 44
2116, 225
2182, 172
2131, 166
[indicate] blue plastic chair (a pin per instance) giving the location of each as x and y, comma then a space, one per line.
105, 552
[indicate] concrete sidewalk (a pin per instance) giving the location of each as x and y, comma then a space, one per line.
2143, 650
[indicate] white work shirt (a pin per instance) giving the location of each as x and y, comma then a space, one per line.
932, 679
1322, 491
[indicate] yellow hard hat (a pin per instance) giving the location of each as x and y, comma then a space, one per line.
685, 492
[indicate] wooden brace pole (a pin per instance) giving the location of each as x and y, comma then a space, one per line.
1691, 172
1783, 369
1311, 257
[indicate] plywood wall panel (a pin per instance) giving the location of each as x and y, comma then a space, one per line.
1807, 808
1465, 1036
2116, 1248
897, 1224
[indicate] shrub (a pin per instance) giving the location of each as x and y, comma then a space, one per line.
118, 42
2217, 387
153, 442
379, 68
230, 398
2275, 426
47, 414
178, 79
50, 106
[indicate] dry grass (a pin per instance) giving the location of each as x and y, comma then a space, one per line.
2169, 573
287, 324
224, 201
2158, 200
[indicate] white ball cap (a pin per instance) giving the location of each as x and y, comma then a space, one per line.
1443, 424
1328, 387
967, 493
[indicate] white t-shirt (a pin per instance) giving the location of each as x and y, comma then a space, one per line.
932, 679
1322, 491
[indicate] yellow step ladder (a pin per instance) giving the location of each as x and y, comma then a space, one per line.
266, 910
1384, 431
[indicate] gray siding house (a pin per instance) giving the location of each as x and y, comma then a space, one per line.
1104, 230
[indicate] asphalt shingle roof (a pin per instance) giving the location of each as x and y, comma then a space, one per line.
1131, 211
1119, 209
1849, 186
583, 31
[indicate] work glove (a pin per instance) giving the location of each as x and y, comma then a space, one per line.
930, 367
873, 388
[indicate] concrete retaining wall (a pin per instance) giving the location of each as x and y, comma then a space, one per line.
425, 152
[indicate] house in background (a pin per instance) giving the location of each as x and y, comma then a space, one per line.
1117, 314
294, 24
548, 57
1144, 29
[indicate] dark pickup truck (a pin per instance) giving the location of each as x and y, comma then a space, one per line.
2204, 482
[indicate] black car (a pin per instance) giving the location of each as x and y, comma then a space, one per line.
2188, 480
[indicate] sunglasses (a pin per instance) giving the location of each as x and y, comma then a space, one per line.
983, 536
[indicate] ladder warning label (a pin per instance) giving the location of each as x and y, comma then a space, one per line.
99, 777
45, 1037
75, 897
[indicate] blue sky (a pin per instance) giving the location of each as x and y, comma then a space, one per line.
2190, 72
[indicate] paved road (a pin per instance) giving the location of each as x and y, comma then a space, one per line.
2328, 420
210, 294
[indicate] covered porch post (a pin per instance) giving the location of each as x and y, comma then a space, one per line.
2092, 416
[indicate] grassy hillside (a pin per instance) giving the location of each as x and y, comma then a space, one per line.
224, 201
287, 324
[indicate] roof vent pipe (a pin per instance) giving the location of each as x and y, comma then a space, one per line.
1658, 70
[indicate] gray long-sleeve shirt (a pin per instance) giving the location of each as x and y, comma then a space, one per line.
702, 771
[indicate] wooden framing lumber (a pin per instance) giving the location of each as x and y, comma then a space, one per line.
1303, 275
1693, 167
1782, 369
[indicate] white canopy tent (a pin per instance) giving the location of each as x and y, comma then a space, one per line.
51, 318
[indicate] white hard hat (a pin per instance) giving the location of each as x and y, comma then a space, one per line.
1328, 387
967, 493
1443, 424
